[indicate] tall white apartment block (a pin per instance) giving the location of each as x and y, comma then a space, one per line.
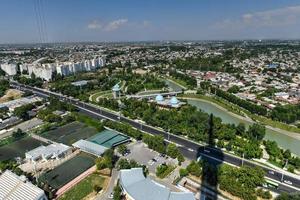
10, 69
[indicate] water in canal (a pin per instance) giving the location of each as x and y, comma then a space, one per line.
282, 140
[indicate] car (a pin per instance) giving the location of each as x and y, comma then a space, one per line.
111, 195
271, 172
154, 160
207, 151
288, 182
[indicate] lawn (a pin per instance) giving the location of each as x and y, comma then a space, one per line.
101, 93
84, 187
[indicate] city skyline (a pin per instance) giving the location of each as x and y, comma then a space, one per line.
38, 21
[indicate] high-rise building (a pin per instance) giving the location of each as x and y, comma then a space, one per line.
10, 69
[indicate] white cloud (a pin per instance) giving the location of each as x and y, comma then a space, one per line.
270, 18
108, 26
116, 24
95, 24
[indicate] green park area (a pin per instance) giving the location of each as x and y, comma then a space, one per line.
93, 182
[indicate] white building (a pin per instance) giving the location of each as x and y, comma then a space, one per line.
52, 151
45, 71
18, 187
10, 69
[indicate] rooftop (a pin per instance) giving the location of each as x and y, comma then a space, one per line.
138, 187
90, 147
46, 152
16, 187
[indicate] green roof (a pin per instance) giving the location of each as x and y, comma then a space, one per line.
108, 138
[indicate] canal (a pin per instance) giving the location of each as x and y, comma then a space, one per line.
283, 140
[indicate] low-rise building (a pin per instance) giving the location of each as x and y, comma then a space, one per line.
136, 186
52, 151
18, 187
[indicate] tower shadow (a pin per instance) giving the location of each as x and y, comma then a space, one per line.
210, 158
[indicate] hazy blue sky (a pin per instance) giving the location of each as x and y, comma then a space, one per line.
131, 20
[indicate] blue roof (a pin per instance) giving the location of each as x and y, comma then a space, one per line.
116, 88
174, 101
159, 98
273, 65
139, 187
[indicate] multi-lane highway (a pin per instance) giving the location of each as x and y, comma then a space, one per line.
189, 148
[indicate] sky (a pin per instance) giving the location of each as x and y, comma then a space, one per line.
33, 21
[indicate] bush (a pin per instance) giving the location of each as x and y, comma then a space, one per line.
183, 172
194, 168
97, 188
263, 194
164, 170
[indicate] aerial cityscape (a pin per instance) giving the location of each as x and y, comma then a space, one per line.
150, 100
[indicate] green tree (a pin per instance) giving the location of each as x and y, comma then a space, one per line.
257, 131
122, 149
172, 150
194, 168
117, 193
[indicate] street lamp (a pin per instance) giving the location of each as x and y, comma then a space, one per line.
282, 175
243, 158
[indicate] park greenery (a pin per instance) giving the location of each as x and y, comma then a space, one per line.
4, 85
287, 113
107, 160
164, 170
288, 196
189, 81
173, 151
281, 157
199, 126
241, 182
102, 81
253, 108
32, 81
128, 164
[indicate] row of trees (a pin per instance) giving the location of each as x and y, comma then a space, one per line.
253, 108
241, 182
4, 85
280, 156
32, 81
199, 126
190, 81
286, 113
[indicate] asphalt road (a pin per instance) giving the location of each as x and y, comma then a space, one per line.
188, 148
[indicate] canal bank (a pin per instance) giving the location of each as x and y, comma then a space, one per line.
285, 139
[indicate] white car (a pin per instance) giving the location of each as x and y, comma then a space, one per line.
288, 182
111, 195
271, 172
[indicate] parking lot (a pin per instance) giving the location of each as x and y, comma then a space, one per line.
143, 155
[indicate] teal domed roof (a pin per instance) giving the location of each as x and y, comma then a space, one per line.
116, 88
174, 101
159, 98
